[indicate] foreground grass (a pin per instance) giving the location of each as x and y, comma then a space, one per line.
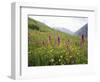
44, 53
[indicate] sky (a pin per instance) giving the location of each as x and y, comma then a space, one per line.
71, 23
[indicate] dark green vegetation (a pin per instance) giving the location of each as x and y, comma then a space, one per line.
47, 46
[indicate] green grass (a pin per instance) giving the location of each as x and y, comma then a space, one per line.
44, 52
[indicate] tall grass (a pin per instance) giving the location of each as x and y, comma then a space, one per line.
49, 48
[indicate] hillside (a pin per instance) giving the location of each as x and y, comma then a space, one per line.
36, 25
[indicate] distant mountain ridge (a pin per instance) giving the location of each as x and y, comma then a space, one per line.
82, 31
64, 30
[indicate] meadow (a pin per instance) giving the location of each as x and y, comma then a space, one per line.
47, 46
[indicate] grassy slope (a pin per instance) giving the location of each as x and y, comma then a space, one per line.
41, 53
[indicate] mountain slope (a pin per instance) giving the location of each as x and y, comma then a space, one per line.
83, 30
36, 25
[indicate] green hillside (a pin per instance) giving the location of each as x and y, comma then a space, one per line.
47, 46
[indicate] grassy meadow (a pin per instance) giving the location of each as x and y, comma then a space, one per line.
47, 46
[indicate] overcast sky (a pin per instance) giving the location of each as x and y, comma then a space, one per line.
70, 23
